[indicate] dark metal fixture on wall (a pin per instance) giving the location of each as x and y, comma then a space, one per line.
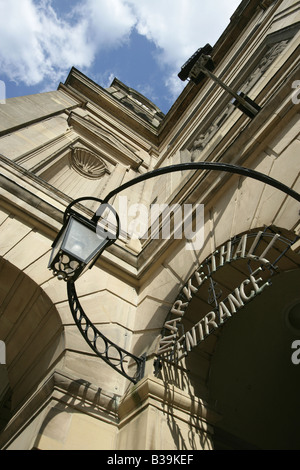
201, 65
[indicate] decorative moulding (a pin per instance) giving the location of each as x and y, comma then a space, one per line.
108, 142
87, 163
153, 391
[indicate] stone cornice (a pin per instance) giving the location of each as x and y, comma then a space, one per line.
32, 199
85, 89
114, 146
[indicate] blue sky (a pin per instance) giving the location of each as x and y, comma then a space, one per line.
141, 42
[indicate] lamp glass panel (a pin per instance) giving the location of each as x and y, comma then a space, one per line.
82, 241
56, 247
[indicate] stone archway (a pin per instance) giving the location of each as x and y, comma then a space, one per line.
32, 332
244, 368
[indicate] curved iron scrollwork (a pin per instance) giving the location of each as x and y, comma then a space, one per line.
116, 357
112, 354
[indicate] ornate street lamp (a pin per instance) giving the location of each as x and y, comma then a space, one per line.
76, 249
80, 242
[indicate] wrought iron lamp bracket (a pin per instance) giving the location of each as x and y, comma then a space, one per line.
115, 356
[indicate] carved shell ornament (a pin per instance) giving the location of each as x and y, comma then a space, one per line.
87, 163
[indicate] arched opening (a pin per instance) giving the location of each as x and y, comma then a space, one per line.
252, 382
244, 367
32, 332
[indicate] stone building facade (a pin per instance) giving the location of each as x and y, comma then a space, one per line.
217, 318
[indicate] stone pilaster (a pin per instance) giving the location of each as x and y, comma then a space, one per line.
155, 415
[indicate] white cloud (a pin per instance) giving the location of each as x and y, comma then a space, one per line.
179, 27
174, 85
40, 45
37, 45
17, 38
109, 21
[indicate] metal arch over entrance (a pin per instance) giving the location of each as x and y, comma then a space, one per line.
250, 260
90, 333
